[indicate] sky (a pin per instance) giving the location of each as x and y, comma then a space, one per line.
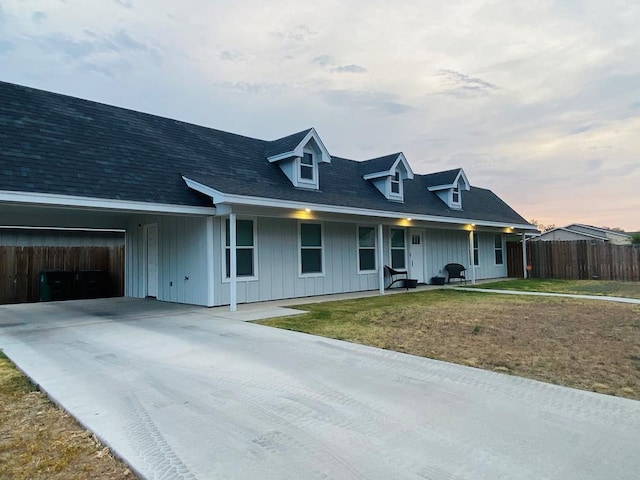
538, 101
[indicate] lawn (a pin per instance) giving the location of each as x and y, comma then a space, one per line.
40, 441
582, 287
586, 344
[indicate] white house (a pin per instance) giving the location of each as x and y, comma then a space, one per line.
578, 231
214, 218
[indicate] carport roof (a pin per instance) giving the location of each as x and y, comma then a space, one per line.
56, 144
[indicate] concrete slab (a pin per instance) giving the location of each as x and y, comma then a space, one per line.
181, 392
605, 298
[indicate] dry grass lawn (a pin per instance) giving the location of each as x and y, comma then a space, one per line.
40, 441
586, 344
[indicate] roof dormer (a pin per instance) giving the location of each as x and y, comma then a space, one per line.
299, 156
448, 186
388, 174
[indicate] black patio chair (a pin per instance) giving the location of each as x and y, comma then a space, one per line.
395, 276
455, 270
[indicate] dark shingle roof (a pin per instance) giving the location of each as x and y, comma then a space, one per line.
51, 143
380, 164
285, 144
441, 178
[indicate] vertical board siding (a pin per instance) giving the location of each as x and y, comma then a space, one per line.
182, 254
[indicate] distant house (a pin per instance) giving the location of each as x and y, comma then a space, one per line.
578, 231
214, 218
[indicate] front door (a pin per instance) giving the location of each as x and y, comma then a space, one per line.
416, 254
151, 260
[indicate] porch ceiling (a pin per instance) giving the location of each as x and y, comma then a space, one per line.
62, 217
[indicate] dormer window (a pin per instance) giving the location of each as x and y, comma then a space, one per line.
307, 167
387, 174
455, 195
299, 156
395, 184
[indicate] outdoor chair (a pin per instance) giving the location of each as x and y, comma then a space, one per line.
455, 270
395, 276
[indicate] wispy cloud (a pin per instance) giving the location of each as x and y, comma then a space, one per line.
349, 69
231, 56
38, 17
125, 3
462, 85
377, 101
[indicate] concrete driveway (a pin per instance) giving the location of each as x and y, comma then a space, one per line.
181, 392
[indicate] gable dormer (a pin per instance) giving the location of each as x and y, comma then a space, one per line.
299, 156
448, 186
388, 174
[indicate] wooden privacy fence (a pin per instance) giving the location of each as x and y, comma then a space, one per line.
577, 260
20, 268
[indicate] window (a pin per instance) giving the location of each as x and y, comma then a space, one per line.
498, 250
245, 249
306, 167
310, 248
476, 260
455, 195
366, 249
395, 184
398, 249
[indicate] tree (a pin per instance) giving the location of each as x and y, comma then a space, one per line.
541, 227
635, 238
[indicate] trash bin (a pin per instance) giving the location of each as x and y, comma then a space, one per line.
56, 285
92, 284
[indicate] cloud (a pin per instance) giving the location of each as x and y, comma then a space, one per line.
38, 17
462, 85
254, 88
349, 69
6, 46
231, 56
322, 60
299, 34
125, 3
364, 100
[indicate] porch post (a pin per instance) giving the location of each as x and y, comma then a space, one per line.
525, 274
210, 257
471, 263
380, 260
233, 270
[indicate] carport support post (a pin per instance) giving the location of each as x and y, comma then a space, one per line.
525, 273
233, 270
380, 260
472, 265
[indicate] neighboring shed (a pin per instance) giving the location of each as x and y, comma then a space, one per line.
578, 231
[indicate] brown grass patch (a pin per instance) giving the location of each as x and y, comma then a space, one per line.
587, 344
40, 441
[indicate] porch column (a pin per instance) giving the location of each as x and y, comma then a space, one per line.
380, 260
210, 257
233, 270
525, 273
472, 267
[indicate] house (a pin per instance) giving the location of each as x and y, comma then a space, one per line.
214, 218
578, 231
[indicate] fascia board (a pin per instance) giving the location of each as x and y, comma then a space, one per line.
462, 175
216, 195
282, 156
436, 188
403, 159
268, 202
55, 200
373, 176
325, 157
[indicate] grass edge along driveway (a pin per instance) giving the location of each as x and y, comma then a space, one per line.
576, 343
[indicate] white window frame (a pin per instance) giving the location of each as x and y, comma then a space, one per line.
391, 248
321, 248
223, 242
495, 249
456, 191
306, 182
374, 248
393, 181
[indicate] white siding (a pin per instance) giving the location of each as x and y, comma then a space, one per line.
18, 237
277, 263
487, 267
182, 259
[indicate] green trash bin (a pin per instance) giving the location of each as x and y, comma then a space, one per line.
56, 285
